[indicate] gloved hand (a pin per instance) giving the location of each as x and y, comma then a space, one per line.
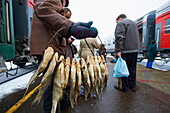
83, 30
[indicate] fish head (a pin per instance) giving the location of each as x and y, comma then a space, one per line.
56, 57
61, 58
67, 62
99, 58
78, 64
49, 50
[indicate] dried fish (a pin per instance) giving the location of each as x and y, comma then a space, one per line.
103, 73
57, 86
90, 67
67, 71
96, 77
46, 80
106, 70
86, 79
78, 80
72, 82
42, 67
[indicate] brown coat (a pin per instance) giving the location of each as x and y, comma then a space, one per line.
84, 50
47, 20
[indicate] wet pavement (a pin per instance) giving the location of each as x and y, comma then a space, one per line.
152, 96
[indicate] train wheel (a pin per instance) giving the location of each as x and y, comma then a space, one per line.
20, 61
21, 65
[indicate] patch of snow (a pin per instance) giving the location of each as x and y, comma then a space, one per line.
15, 84
160, 64
110, 56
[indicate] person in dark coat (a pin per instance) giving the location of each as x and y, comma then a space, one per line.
50, 28
127, 47
71, 49
102, 50
152, 53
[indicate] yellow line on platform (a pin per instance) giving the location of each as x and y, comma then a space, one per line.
18, 104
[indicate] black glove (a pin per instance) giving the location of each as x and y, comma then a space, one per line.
83, 30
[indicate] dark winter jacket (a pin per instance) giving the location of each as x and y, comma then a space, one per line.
71, 50
47, 20
152, 53
102, 50
126, 37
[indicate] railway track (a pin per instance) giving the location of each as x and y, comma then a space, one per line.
16, 72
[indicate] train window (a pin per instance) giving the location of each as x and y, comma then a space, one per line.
167, 26
20, 2
31, 19
158, 36
8, 23
109, 42
34, 1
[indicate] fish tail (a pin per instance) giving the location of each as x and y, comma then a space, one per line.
37, 99
71, 98
72, 102
86, 93
34, 76
91, 91
54, 107
97, 92
76, 96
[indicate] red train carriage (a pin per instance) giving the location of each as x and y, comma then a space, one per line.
162, 27
155, 25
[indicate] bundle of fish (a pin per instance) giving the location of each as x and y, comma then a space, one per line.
92, 74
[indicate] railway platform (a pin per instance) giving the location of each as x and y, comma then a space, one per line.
152, 96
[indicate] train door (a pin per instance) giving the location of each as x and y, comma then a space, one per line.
23, 14
146, 27
7, 47
1, 27
165, 37
30, 17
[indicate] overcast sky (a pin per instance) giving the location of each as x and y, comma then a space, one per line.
104, 12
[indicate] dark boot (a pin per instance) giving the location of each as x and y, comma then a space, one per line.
118, 88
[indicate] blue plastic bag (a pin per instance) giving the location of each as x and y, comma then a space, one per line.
120, 69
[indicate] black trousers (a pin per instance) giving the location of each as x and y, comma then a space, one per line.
48, 94
47, 102
129, 82
47, 106
63, 103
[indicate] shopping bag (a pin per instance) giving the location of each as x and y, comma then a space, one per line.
120, 69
